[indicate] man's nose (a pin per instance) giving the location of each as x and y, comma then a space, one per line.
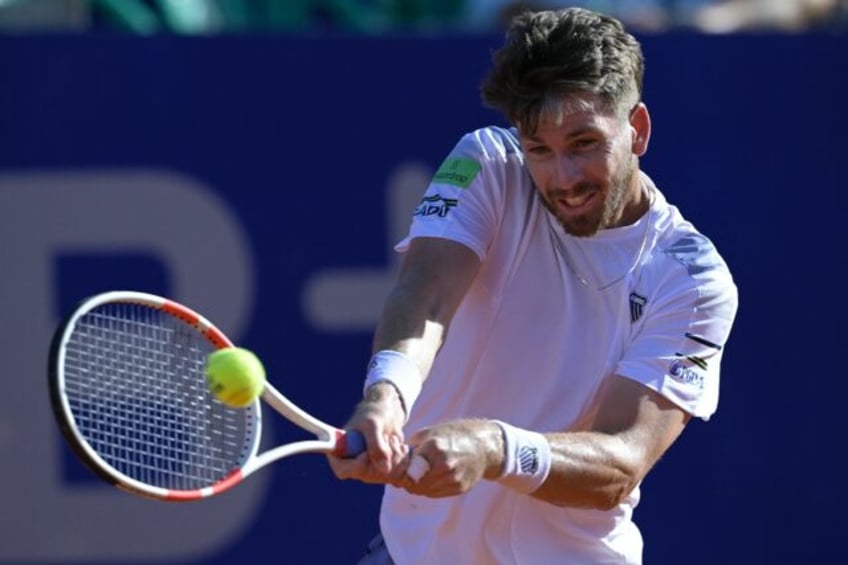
566, 173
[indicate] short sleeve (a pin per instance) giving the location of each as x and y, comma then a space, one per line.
678, 349
464, 199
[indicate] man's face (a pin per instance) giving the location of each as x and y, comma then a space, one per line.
582, 161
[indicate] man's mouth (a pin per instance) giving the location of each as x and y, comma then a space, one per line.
578, 203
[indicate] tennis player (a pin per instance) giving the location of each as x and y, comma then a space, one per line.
555, 325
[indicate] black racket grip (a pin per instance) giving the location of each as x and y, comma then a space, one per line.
352, 444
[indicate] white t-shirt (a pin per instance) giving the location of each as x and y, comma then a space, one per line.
531, 345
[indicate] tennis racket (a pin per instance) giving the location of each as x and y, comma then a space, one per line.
128, 388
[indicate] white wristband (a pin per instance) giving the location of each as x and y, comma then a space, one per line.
398, 369
527, 458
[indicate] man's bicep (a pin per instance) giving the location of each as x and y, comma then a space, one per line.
440, 271
434, 277
647, 422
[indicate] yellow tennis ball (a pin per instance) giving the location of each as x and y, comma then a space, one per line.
235, 376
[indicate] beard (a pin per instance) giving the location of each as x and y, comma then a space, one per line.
605, 216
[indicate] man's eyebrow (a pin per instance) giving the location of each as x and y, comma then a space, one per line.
576, 132
581, 130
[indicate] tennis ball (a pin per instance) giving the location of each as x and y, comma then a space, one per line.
235, 376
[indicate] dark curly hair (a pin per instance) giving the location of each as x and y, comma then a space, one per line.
560, 53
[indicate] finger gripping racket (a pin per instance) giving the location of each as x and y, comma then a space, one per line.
128, 389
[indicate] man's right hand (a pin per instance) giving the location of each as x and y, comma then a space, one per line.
379, 417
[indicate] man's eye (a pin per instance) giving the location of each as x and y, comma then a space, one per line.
585, 143
538, 150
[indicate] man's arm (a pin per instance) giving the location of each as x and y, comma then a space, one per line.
598, 467
594, 466
433, 279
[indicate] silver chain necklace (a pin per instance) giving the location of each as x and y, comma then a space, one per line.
642, 246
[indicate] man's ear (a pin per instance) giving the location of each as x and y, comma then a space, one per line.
640, 127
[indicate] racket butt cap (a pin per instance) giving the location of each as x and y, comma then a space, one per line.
350, 443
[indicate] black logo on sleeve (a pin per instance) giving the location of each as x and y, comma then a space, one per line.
435, 205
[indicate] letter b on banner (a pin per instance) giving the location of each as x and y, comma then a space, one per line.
201, 247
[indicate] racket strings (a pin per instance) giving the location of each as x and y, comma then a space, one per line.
135, 384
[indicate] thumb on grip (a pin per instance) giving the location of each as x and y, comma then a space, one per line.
418, 467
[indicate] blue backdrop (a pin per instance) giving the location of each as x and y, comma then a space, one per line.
262, 180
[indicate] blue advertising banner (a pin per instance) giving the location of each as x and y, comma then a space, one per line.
263, 181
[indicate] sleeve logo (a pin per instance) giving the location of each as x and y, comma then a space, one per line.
435, 205
685, 375
457, 171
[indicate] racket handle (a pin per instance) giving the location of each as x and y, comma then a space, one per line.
353, 443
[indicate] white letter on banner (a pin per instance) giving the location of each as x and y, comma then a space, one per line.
203, 247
